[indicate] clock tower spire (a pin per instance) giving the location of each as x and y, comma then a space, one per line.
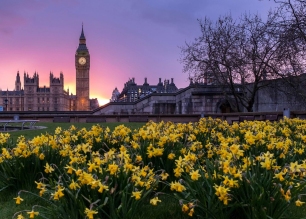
82, 65
82, 37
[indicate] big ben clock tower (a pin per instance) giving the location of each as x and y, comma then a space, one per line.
82, 65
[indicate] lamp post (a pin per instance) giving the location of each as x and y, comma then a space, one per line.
5, 102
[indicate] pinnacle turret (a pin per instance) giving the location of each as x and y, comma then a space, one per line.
82, 42
82, 37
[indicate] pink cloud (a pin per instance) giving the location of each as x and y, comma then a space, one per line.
9, 21
15, 13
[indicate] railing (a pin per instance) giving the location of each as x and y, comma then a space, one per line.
74, 117
20, 124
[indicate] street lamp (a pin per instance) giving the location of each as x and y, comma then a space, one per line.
5, 102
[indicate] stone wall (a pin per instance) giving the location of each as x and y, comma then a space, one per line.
280, 95
203, 99
194, 99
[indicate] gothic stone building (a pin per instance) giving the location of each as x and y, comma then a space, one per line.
205, 97
34, 97
132, 91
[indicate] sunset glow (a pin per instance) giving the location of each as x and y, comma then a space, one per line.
125, 39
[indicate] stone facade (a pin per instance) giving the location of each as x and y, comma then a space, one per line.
132, 92
34, 97
82, 65
209, 98
288, 93
194, 99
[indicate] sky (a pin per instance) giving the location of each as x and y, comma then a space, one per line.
125, 38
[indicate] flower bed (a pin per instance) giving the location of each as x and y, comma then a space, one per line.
214, 170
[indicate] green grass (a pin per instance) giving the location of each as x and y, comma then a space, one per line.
9, 207
50, 127
167, 209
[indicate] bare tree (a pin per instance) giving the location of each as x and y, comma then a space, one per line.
240, 55
291, 19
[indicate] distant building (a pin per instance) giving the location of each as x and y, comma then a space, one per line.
33, 97
133, 92
203, 97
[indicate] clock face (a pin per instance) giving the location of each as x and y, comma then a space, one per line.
82, 61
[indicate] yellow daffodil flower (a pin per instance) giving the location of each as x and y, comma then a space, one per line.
154, 201
195, 175
299, 203
136, 195
33, 213
18, 200
90, 213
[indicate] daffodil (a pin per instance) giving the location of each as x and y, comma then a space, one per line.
177, 186
171, 156
102, 187
48, 168
164, 175
90, 213
42, 191
154, 201
299, 203
191, 212
222, 193
74, 185
59, 193
18, 200
20, 216
195, 175
33, 213
112, 168
185, 208
136, 195
41, 156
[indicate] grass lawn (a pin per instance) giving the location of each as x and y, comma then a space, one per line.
50, 127
167, 209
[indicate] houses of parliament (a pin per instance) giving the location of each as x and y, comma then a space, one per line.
33, 97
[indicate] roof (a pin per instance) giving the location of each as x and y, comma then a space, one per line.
82, 37
43, 89
12, 93
82, 47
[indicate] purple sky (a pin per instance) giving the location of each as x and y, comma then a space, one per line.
125, 38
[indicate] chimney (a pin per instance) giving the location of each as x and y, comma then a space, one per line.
171, 80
